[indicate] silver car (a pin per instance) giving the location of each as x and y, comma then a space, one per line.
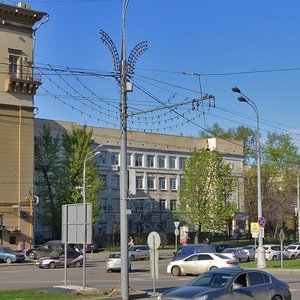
273, 252
233, 284
199, 263
113, 262
295, 249
236, 253
139, 252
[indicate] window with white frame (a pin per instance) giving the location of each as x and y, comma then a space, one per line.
162, 183
161, 162
181, 163
162, 204
172, 162
151, 182
139, 160
114, 159
150, 161
173, 204
173, 184
139, 182
115, 182
128, 159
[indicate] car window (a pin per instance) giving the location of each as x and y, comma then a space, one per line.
291, 247
275, 248
256, 278
204, 257
241, 281
192, 258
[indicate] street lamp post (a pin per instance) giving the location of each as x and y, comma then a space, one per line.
261, 259
89, 156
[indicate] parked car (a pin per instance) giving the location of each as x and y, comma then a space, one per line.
231, 283
113, 262
139, 252
88, 247
273, 252
56, 258
8, 255
236, 253
45, 249
295, 249
186, 250
221, 247
250, 250
199, 263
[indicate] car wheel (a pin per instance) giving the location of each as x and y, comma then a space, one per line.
31, 255
274, 257
240, 260
277, 297
52, 265
108, 270
8, 260
132, 257
176, 271
213, 268
78, 264
298, 256
248, 259
293, 257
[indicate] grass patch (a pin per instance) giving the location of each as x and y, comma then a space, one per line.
287, 264
33, 294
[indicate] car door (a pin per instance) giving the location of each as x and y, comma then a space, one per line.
204, 263
260, 285
189, 264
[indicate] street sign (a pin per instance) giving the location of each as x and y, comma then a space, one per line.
281, 235
254, 228
176, 232
262, 221
176, 224
153, 240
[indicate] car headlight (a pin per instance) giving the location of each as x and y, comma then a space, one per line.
201, 297
160, 297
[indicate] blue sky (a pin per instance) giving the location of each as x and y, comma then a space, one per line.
251, 44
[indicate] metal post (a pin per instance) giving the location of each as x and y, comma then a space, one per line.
261, 258
89, 156
123, 166
298, 206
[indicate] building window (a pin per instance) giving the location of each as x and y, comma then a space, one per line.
102, 158
103, 179
150, 161
162, 183
181, 163
103, 204
150, 183
162, 204
173, 182
139, 160
172, 162
114, 159
161, 162
115, 182
128, 159
173, 205
139, 182
116, 204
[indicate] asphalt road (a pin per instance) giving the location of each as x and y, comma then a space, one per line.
29, 276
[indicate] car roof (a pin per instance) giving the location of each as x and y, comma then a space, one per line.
236, 270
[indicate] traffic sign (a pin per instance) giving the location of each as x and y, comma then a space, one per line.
254, 228
153, 240
262, 221
176, 232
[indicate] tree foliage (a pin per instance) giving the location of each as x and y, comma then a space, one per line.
204, 197
59, 174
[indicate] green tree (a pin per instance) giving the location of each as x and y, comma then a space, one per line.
59, 174
204, 198
77, 144
48, 170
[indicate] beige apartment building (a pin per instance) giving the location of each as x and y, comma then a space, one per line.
18, 85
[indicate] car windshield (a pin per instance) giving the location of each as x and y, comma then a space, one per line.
212, 280
8, 250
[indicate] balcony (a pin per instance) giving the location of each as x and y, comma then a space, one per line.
23, 83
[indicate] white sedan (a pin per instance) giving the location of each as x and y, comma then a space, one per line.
199, 263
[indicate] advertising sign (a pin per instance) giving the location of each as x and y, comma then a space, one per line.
184, 234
